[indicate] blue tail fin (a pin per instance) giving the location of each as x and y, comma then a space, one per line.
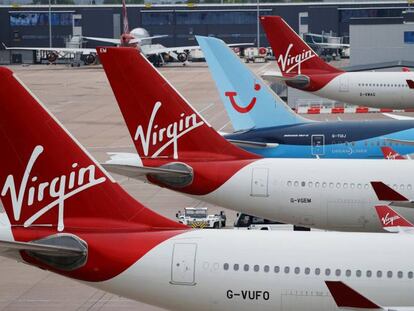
249, 102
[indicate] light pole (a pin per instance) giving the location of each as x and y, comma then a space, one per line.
50, 24
258, 24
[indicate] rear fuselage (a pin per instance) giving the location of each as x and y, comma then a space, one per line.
339, 139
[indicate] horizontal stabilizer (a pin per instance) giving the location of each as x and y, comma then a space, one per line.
346, 297
398, 117
252, 144
385, 193
296, 81
34, 247
400, 141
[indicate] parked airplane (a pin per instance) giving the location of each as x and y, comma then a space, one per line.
192, 158
136, 37
265, 125
302, 68
65, 214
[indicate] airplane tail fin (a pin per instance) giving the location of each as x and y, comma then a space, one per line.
348, 298
125, 18
161, 122
390, 220
391, 154
48, 181
293, 55
249, 102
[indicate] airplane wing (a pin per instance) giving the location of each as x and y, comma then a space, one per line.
386, 193
332, 45
391, 221
182, 49
348, 298
397, 117
58, 50
106, 40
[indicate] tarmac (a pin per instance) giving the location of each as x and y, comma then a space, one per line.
82, 100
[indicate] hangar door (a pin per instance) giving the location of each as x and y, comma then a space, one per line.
183, 264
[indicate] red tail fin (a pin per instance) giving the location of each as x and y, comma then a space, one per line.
391, 154
390, 218
161, 122
292, 54
47, 179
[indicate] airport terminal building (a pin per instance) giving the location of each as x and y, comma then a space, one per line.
26, 25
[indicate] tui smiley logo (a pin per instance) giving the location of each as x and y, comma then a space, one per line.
238, 108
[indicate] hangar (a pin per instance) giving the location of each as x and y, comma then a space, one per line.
27, 25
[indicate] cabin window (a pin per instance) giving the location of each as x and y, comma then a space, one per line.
400, 274
307, 271
266, 268
327, 271
337, 272
379, 274
389, 274
246, 268
369, 273
358, 273
297, 270
348, 273
410, 275
287, 269
317, 271
289, 183
226, 266
276, 269
303, 184
256, 268
236, 267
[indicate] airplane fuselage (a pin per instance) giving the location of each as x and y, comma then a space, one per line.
371, 89
338, 139
326, 194
245, 270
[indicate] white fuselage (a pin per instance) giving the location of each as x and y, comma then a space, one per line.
371, 89
326, 194
286, 270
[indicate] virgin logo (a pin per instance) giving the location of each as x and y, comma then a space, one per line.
387, 220
237, 107
162, 137
288, 62
59, 188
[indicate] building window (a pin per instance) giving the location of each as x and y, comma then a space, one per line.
409, 37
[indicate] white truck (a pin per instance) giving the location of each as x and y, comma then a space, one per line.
197, 217
250, 222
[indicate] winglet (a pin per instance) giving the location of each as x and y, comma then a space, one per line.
390, 219
346, 297
385, 193
391, 154
410, 84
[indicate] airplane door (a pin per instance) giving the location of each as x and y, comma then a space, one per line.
318, 144
183, 264
344, 84
260, 179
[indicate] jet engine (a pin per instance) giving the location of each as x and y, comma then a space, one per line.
52, 56
182, 57
89, 59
